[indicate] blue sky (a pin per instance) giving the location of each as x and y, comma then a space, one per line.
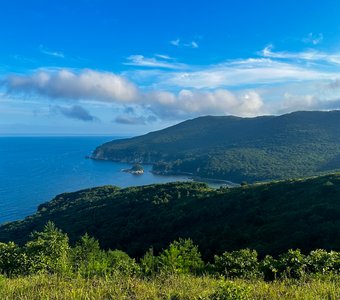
128, 67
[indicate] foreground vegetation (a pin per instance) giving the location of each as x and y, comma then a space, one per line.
237, 149
269, 218
47, 267
179, 287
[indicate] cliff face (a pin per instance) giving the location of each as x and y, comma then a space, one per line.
236, 149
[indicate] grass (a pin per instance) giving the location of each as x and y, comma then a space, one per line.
175, 287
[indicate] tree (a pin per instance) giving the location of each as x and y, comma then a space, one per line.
48, 250
182, 256
87, 257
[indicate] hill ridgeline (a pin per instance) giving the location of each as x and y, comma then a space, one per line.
237, 149
269, 217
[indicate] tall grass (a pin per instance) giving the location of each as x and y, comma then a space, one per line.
175, 287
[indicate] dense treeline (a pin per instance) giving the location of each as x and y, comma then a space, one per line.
238, 149
49, 252
270, 218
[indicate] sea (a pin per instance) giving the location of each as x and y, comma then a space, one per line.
33, 170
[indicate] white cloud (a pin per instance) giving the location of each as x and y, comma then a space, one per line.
178, 43
308, 55
141, 61
276, 82
335, 84
107, 87
68, 84
58, 54
175, 42
163, 56
242, 72
193, 44
292, 102
191, 103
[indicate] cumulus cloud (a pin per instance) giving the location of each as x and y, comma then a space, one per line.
68, 84
196, 103
75, 112
108, 87
292, 102
163, 89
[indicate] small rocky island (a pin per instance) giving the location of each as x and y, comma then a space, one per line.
136, 169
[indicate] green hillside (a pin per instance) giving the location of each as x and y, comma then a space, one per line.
270, 218
237, 149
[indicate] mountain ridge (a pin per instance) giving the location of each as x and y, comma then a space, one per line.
233, 148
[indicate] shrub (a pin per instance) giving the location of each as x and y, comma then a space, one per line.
321, 261
120, 261
292, 264
227, 290
269, 267
13, 260
242, 263
182, 256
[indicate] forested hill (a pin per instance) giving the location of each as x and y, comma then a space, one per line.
237, 149
270, 217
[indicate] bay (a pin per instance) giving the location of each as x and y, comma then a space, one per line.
33, 170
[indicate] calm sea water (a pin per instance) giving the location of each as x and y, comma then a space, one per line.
35, 169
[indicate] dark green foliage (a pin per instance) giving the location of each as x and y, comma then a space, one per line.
238, 149
320, 261
238, 264
270, 214
137, 167
13, 260
270, 218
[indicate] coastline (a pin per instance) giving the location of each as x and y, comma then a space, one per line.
190, 175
